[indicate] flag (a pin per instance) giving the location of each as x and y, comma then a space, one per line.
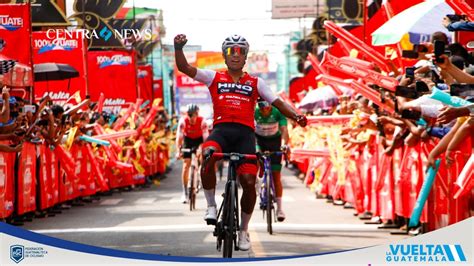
6, 66
76, 97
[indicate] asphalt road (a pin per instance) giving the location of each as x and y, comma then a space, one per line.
153, 220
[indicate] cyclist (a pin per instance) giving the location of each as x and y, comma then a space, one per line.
191, 133
271, 129
234, 95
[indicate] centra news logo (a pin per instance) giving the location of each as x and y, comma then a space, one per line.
425, 253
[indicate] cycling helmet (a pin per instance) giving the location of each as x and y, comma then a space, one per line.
235, 40
192, 108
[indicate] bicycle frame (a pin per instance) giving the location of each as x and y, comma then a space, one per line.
267, 174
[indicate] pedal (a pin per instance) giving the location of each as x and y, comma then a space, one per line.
211, 222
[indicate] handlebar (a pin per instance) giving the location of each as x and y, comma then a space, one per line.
233, 156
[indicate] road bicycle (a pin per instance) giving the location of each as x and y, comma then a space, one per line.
267, 192
227, 224
193, 177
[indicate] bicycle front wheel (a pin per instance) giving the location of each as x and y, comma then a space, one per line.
191, 192
269, 208
229, 223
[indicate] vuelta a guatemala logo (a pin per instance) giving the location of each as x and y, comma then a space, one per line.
17, 253
10, 23
116, 60
425, 253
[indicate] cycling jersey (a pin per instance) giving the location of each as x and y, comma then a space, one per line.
269, 126
193, 131
234, 102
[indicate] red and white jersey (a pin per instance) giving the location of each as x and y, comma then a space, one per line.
193, 131
234, 101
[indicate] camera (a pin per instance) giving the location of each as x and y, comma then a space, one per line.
456, 18
28, 108
462, 90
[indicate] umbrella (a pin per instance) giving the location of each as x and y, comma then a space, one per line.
419, 21
323, 97
54, 71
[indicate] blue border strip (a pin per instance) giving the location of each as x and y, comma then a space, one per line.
73, 246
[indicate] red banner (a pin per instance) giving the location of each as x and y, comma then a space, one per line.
114, 74
15, 30
68, 49
145, 82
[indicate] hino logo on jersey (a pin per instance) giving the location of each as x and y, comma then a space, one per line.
234, 88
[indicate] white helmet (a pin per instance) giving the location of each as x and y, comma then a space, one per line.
235, 40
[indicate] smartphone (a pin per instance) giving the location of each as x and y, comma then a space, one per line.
28, 108
410, 72
439, 48
406, 92
421, 87
462, 90
413, 115
410, 54
420, 48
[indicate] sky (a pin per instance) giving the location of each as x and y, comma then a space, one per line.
209, 22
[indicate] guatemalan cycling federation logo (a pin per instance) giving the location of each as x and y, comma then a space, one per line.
17, 253
425, 253
116, 60
10, 23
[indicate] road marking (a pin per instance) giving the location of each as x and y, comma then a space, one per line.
203, 228
288, 199
257, 247
145, 200
110, 202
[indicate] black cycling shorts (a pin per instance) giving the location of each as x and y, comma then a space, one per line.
271, 144
234, 137
190, 143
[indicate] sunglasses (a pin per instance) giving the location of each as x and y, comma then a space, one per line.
235, 50
263, 104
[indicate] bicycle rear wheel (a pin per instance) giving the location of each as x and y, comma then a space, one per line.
229, 222
269, 209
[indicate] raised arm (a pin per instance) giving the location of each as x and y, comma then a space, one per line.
266, 93
181, 62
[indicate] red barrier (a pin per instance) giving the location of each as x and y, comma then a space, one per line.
7, 188
54, 176
26, 181
45, 181
66, 174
